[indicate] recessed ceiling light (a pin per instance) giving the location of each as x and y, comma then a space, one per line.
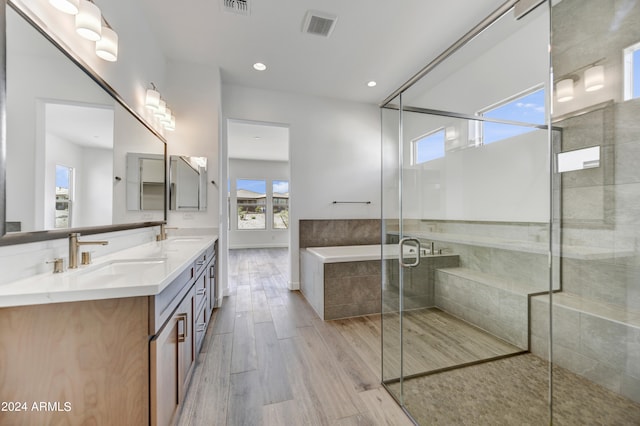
372, 83
259, 66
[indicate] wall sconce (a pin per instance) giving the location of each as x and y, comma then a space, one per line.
158, 106
451, 133
564, 90
91, 25
594, 78
89, 21
69, 7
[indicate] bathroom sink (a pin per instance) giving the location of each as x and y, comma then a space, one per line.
123, 266
185, 239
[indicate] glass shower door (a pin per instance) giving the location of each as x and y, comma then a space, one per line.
466, 207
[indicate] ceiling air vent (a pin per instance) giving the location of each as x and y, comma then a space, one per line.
239, 7
319, 23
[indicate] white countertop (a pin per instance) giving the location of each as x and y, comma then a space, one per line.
144, 270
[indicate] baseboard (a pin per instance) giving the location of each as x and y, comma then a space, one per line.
294, 285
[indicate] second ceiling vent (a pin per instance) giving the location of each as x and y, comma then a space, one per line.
319, 23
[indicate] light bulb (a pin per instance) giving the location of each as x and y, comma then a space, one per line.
107, 46
66, 6
89, 21
594, 78
564, 90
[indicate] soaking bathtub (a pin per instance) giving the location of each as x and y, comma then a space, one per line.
345, 281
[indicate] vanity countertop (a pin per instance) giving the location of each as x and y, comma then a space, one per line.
144, 270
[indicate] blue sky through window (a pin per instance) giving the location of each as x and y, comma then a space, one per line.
280, 186
429, 147
526, 109
636, 74
62, 176
255, 185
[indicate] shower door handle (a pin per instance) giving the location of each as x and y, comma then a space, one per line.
401, 254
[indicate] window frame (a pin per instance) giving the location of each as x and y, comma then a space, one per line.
476, 128
264, 204
415, 141
628, 68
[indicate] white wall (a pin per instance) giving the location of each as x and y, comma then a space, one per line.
334, 149
194, 91
269, 171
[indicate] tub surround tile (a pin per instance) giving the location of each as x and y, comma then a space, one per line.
339, 232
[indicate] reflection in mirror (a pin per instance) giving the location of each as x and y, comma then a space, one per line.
188, 183
145, 181
67, 141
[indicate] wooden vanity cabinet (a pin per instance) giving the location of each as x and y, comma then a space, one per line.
172, 356
180, 317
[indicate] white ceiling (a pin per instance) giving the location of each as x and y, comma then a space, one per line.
383, 40
257, 141
84, 125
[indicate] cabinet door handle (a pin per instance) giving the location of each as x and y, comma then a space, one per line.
201, 291
182, 325
201, 327
212, 271
200, 262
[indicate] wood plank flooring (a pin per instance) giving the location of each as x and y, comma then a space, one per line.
269, 360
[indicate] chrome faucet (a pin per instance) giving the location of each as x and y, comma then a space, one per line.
74, 246
163, 232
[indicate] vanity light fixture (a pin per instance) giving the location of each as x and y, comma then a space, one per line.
89, 21
66, 6
564, 90
162, 115
594, 78
152, 98
90, 24
162, 109
451, 133
171, 126
107, 46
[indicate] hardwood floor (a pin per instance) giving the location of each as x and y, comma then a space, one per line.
269, 360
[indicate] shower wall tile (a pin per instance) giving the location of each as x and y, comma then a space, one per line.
626, 162
495, 310
604, 351
631, 388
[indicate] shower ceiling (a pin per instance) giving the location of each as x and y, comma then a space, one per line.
386, 41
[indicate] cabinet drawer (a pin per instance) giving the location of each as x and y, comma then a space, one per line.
202, 260
202, 291
200, 328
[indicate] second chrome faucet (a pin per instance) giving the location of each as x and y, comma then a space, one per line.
74, 246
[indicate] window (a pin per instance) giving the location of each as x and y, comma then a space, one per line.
64, 196
251, 198
428, 147
632, 72
526, 108
280, 204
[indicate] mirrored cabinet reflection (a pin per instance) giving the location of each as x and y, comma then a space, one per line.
145, 181
188, 183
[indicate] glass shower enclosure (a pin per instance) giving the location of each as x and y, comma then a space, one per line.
496, 204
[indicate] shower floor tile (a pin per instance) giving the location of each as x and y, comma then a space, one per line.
513, 391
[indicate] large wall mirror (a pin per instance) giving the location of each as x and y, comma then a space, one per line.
67, 141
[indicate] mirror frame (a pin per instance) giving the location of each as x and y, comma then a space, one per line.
34, 236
